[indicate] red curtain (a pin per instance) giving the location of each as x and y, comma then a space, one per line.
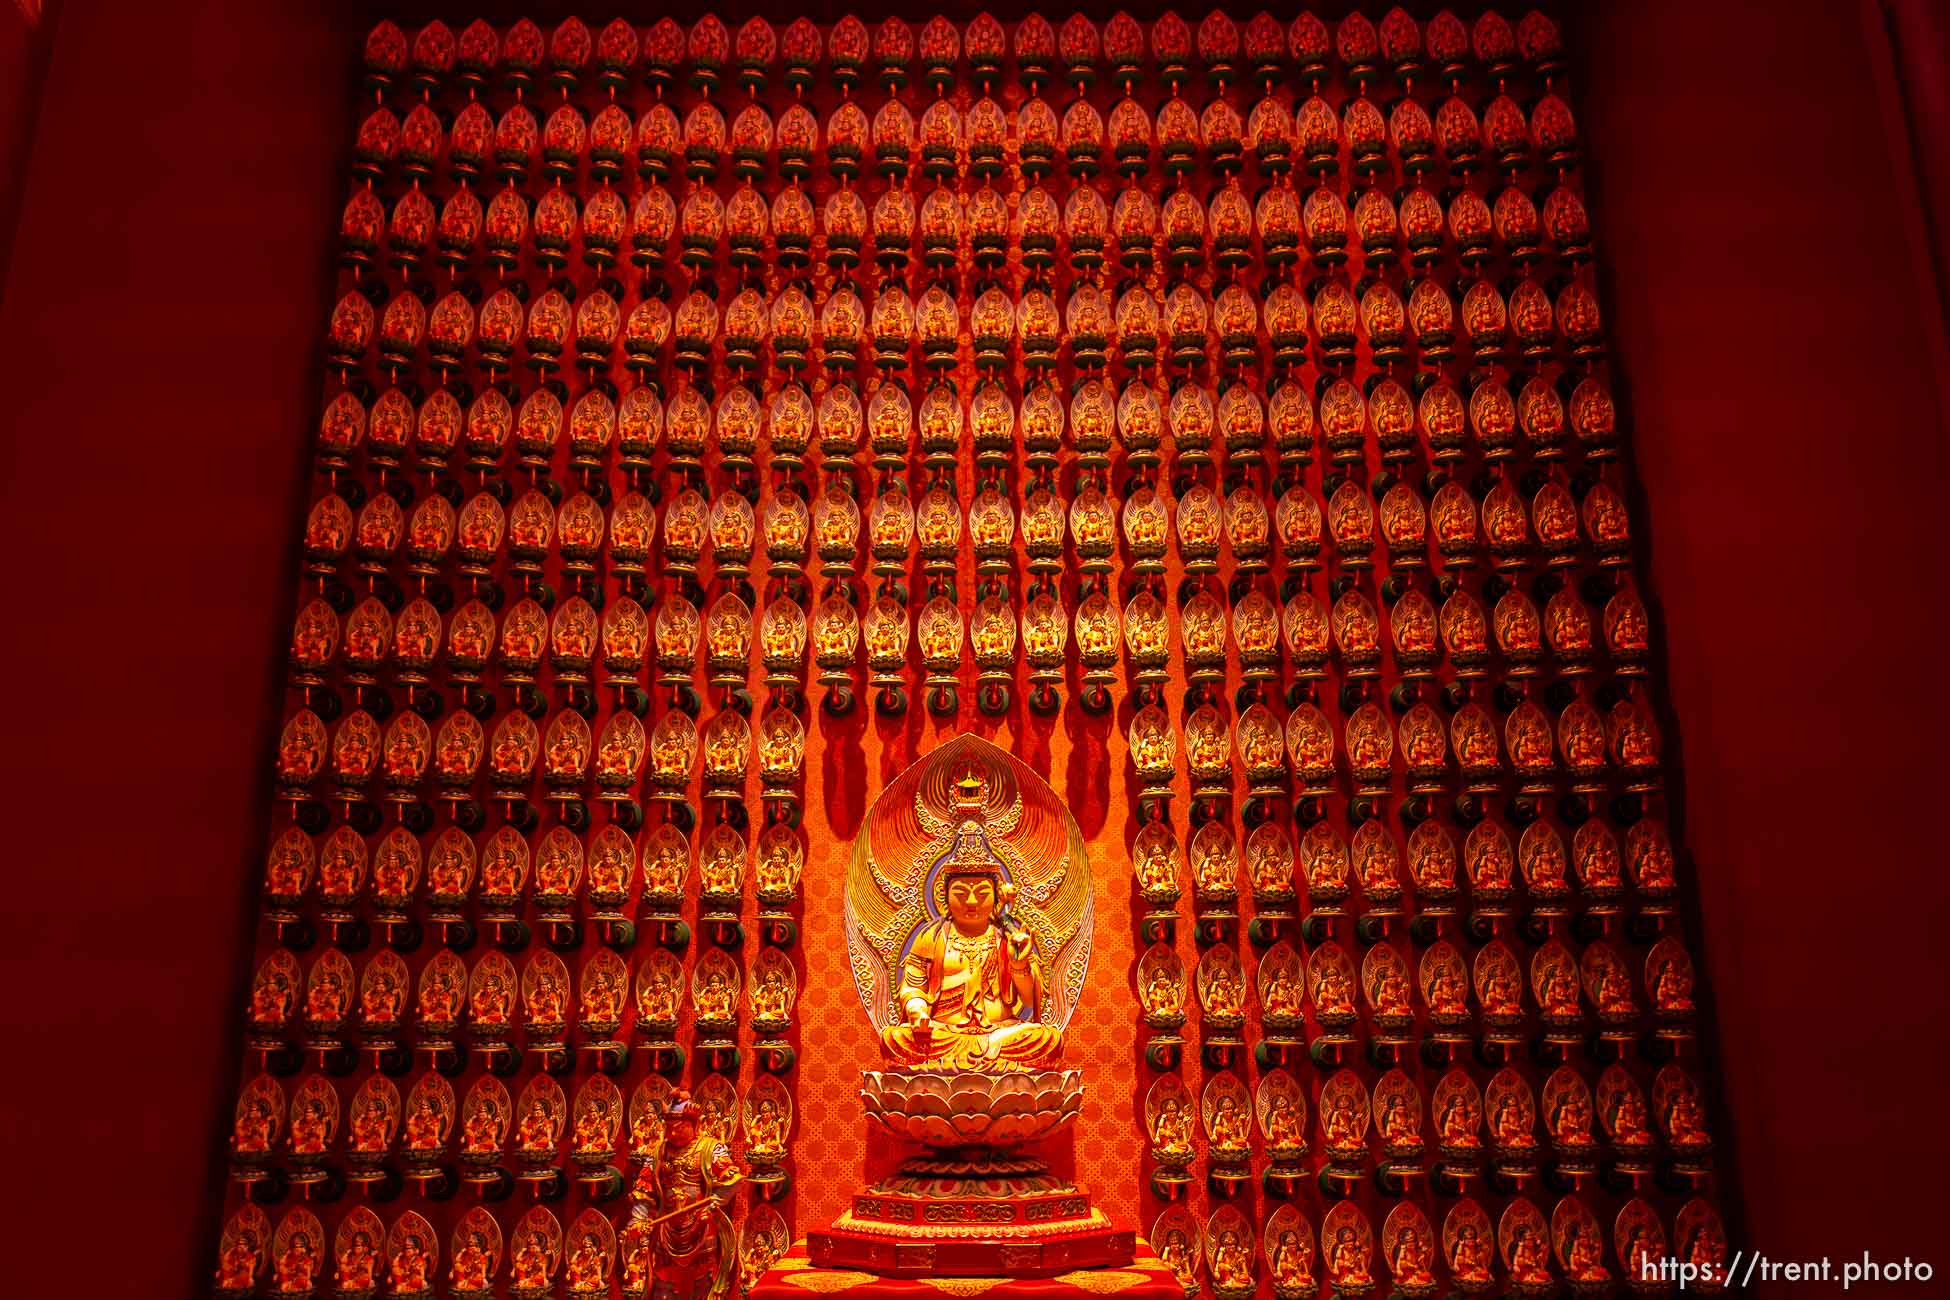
26, 35
1918, 90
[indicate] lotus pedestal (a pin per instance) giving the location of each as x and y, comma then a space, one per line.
973, 1205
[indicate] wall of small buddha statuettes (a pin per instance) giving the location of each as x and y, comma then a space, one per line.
1227, 395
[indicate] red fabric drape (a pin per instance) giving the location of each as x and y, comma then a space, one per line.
1919, 43
26, 35
1783, 431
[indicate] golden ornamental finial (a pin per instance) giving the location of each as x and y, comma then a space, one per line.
971, 794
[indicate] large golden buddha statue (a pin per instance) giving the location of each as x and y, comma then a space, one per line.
972, 981
968, 931
968, 914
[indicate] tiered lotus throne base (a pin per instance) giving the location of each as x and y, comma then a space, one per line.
973, 1206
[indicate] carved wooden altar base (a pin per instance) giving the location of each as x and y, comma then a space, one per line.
972, 1212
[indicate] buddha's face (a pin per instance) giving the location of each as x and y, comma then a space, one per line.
971, 902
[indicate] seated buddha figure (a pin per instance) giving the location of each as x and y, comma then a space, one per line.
1171, 1131
237, 1268
472, 1265
772, 996
1469, 1257
1527, 1253
971, 982
1181, 1257
1228, 1128
297, 1265
589, 1266
1161, 993
766, 1129
536, 1132
1347, 1259
592, 1131
1410, 1262
357, 1265
1232, 1261
1284, 1126
1584, 1254
1293, 1269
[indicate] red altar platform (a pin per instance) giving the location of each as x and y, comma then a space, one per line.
794, 1276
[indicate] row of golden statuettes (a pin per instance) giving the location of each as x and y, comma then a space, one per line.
1278, 133
1563, 522
363, 1254
301, 1132
848, 53
1483, 320
421, 1129
1083, 230
1548, 416
372, 650
305, 1132
327, 997
1581, 744
1523, 1249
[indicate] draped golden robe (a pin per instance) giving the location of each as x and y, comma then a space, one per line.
972, 990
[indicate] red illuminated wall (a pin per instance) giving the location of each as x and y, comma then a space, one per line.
1785, 414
